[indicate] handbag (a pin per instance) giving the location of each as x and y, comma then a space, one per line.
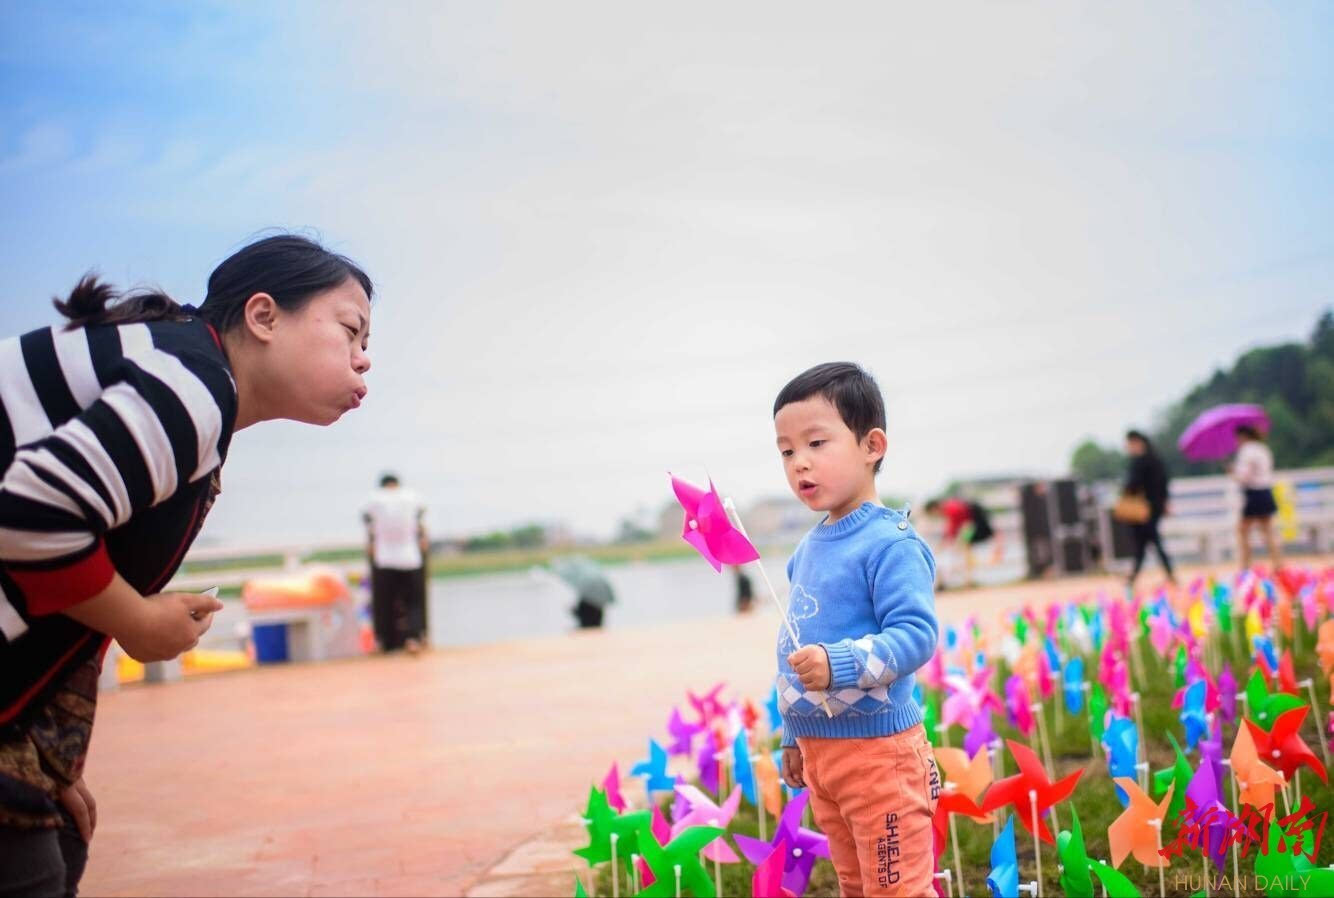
1132, 509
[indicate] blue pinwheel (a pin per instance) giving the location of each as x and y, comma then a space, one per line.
775, 718
1122, 742
1003, 880
1265, 646
742, 769
1072, 684
1192, 713
654, 771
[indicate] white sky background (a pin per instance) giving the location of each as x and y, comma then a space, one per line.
605, 236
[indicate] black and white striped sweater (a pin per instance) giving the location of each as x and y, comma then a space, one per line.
110, 441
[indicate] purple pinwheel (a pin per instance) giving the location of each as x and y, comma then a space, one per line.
708, 528
1211, 750
1203, 793
654, 771
683, 734
1193, 714
680, 807
980, 733
707, 760
1227, 693
804, 846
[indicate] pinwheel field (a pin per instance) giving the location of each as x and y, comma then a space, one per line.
1126, 717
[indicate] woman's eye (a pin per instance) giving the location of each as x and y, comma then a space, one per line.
815, 444
351, 330
786, 453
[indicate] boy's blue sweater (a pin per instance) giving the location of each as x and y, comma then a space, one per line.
863, 588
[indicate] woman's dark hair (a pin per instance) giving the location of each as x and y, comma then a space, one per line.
848, 388
1246, 430
1137, 435
289, 268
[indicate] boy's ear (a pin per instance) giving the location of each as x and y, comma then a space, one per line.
876, 443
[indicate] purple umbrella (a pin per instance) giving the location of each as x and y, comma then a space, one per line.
1212, 435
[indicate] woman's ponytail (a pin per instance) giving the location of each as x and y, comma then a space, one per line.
93, 302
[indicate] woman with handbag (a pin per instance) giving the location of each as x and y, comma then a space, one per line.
1143, 502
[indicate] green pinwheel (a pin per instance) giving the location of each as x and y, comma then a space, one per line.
1283, 870
680, 853
931, 717
602, 822
1180, 773
1179, 667
1075, 879
1097, 711
1265, 707
1114, 882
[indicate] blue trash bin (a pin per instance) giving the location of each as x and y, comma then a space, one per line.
270, 643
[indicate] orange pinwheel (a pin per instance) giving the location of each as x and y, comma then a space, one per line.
1324, 646
1255, 778
1285, 746
1131, 833
1030, 778
767, 774
970, 778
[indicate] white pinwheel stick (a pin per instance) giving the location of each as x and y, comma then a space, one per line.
730, 507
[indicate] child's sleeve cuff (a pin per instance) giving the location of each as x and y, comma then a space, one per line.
842, 664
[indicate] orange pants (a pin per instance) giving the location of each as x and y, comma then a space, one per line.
874, 799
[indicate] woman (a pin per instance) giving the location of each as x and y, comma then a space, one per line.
1253, 469
113, 432
1147, 477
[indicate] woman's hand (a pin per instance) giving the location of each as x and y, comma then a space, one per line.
793, 768
172, 623
81, 806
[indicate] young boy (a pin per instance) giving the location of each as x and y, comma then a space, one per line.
863, 608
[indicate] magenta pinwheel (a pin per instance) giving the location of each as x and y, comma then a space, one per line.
683, 734
708, 528
804, 846
967, 697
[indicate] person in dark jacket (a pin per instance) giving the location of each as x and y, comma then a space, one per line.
1147, 477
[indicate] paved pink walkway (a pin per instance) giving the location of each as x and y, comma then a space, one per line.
401, 776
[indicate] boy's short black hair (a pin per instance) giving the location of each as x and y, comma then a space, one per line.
848, 388
388, 480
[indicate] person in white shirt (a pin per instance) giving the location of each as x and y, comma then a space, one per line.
1253, 469
397, 546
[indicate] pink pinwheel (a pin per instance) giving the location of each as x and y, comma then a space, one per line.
1045, 683
768, 879
707, 706
1161, 633
708, 528
612, 784
968, 696
805, 846
683, 734
703, 812
662, 831
1017, 704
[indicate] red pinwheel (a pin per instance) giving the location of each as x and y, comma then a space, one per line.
708, 528
1030, 778
1282, 747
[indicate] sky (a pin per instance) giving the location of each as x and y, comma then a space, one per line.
604, 235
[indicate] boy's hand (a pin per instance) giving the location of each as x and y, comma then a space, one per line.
172, 623
811, 665
793, 768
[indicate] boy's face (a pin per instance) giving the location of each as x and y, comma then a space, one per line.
827, 467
